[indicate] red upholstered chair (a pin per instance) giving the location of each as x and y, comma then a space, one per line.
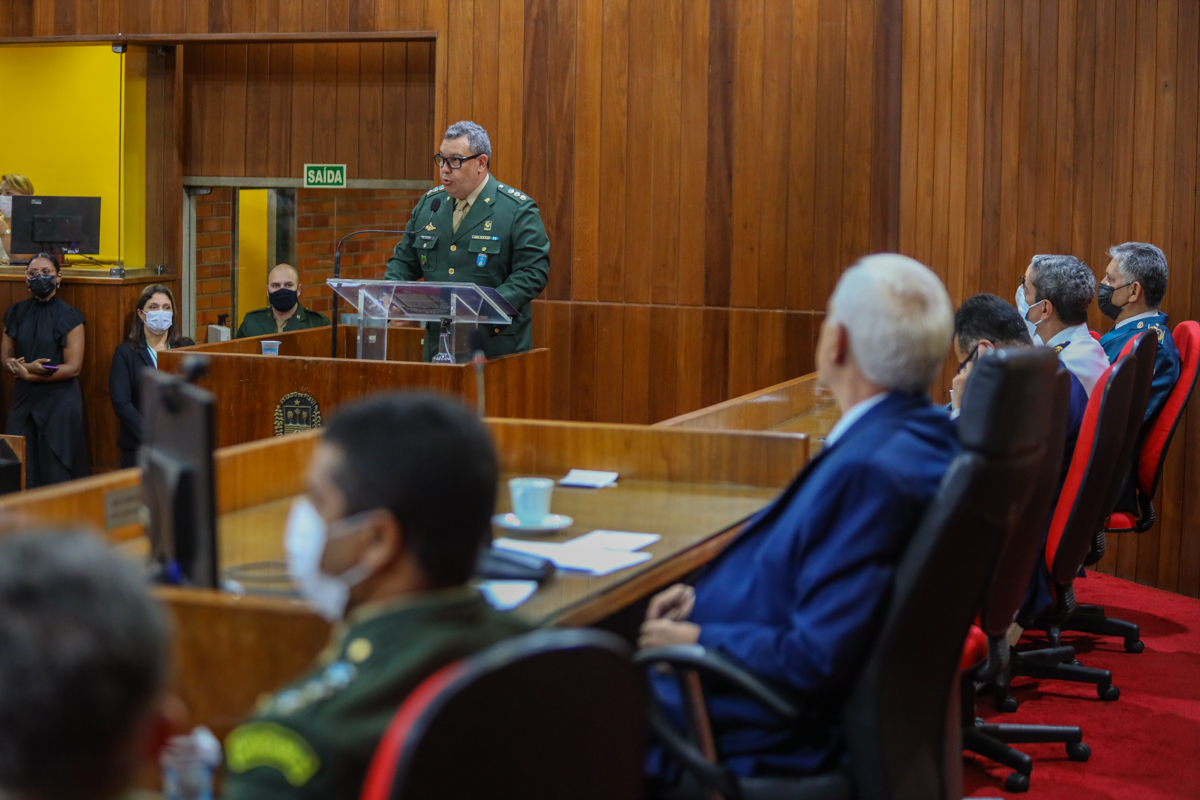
1085, 499
554, 713
1095, 334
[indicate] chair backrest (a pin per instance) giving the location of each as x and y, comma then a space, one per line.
1157, 439
1023, 547
1087, 497
1143, 347
553, 713
896, 719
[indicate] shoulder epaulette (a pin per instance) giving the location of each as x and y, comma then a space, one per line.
435, 189
515, 194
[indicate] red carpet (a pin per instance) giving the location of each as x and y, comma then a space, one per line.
1146, 745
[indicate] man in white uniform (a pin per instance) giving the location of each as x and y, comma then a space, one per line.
1054, 296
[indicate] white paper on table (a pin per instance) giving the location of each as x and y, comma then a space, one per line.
567, 555
616, 540
588, 479
506, 595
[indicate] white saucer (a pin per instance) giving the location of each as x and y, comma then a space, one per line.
550, 524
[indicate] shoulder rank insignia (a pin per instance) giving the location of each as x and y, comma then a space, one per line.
435, 189
1058, 348
266, 744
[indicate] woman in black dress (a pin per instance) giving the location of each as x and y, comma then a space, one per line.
153, 330
43, 347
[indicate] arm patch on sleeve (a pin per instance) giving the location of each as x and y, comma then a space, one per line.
267, 744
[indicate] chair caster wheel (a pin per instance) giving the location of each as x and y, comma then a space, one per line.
1078, 751
1077, 663
1016, 782
1006, 703
1134, 645
1107, 691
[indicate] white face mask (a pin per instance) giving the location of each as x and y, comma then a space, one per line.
304, 540
158, 322
6, 206
1024, 307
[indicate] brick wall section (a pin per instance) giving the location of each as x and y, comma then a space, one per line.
322, 218
214, 258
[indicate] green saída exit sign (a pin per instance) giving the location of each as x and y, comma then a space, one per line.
324, 176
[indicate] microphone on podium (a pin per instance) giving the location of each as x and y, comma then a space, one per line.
478, 343
337, 271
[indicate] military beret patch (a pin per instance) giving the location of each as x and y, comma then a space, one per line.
266, 744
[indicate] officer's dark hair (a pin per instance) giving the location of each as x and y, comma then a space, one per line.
986, 316
53, 259
83, 659
1144, 263
428, 460
1066, 282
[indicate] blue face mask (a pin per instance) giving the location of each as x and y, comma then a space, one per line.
159, 322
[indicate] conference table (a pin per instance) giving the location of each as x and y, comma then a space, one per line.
692, 487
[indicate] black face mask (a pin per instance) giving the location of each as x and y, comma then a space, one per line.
1108, 308
282, 299
42, 286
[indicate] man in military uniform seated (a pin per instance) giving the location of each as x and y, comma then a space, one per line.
798, 596
1054, 297
1131, 292
400, 495
83, 668
284, 314
483, 232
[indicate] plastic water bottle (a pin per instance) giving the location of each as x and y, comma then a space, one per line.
187, 765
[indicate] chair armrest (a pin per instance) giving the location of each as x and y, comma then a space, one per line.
697, 658
714, 776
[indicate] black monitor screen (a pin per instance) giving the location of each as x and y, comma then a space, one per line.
177, 479
61, 224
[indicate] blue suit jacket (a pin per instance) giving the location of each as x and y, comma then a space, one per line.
799, 595
1166, 363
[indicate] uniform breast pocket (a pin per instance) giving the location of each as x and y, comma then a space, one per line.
424, 245
485, 252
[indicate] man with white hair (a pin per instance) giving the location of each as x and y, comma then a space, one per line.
798, 596
474, 229
1131, 292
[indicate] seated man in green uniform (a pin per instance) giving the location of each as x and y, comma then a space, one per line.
474, 229
284, 314
400, 494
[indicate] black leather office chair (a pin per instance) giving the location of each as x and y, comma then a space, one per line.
1005, 594
553, 713
900, 719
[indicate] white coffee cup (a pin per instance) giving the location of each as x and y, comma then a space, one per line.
531, 499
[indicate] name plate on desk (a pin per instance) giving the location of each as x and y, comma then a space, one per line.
123, 507
295, 413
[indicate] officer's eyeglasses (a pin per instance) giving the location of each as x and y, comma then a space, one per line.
455, 162
970, 357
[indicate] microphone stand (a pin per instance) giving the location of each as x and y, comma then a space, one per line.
337, 271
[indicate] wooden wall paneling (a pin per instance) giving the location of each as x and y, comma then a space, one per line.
748, 126
460, 73
362, 15
1029, 176
324, 109
718, 211
664, 147
857, 134
638, 358
802, 158
716, 356
558, 207
266, 16
555, 319
688, 360
234, 115
484, 53
258, 110
197, 16
370, 131
614, 152
1061, 211
347, 105
642, 220
584, 346
304, 57
508, 143
291, 15
211, 111
394, 137
586, 166
610, 367
420, 113
279, 120
1084, 133
770, 348
242, 17
220, 16
831, 116
743, 351
664, 362
956, 266
693, 117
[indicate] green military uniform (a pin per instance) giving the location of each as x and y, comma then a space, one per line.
316, 738
501, 243
261, 322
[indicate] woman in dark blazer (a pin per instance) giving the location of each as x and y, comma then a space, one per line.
153, 330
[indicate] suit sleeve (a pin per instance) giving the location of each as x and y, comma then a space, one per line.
840, 587
403, 265
530, 258
120, 389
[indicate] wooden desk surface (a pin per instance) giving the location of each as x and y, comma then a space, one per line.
687, 516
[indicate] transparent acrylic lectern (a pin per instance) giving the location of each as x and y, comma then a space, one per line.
458, 307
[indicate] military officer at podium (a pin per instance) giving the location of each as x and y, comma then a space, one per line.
475, 229
1133, 287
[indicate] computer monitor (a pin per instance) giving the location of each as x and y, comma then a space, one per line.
58, 225
177, 476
